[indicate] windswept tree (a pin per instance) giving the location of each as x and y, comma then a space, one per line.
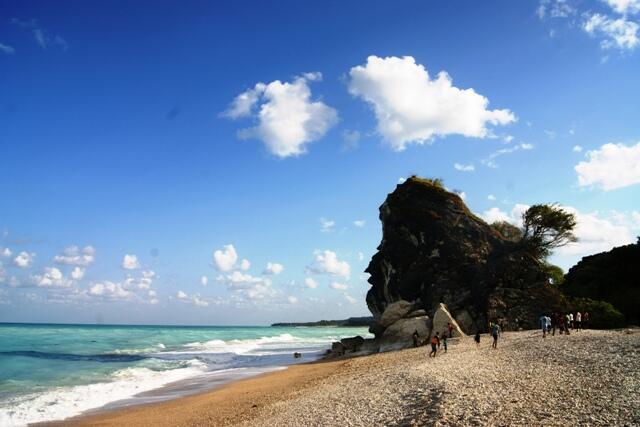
546, 227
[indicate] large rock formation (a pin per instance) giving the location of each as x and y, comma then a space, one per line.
434, 250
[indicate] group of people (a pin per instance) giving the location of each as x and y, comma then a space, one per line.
564, 322
437, 340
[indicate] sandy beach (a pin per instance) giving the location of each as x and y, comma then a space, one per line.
587, 378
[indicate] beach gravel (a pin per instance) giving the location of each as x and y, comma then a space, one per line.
586, 378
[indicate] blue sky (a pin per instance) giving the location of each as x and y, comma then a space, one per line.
137, 140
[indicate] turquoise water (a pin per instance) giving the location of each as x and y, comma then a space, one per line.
56, 371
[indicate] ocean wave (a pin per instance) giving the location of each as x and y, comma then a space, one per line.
260, 346
64, 402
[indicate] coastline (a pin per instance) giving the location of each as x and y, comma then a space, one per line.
589, 377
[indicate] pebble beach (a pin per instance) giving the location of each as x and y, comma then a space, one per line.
587, 378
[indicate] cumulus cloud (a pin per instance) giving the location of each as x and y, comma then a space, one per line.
310, 283
24, 259
514, 216
273, 268
110, 290
77, 273
225, 259
292, 300
74, 256
52, 277
327, 262
327, 225
359, 223
412, 108
250, 287
402, 180
618, 33
610, 167
5, 252
491, 197
464, 168
245, 264
130, 262
338, 286
288, 118
577, 149
204, 280
625, 6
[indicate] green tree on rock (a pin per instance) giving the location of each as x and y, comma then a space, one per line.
546, 227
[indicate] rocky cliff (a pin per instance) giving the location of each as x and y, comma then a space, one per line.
434, 250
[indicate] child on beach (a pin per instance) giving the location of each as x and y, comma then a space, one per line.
495, 331
444, 341
477, 339
435, 343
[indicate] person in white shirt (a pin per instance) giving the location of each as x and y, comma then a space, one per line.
578, 321
571, 320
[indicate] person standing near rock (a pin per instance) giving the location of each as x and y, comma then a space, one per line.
444, 342
477, 339
495, 332
450, 329
543, 324
585, 319
578, 321
415, 336
435, 343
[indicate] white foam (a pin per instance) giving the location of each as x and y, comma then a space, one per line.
64, 402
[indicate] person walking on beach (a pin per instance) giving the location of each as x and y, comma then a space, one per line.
495, 332
435, 343
450, 329
567, 323
477, 339
543, 324
415, 338
578, 321
444, 342
571, 325
585, 319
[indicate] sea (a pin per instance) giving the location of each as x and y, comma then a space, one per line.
53, 372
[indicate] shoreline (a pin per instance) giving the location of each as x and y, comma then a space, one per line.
590, 377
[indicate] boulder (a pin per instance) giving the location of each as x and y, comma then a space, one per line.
441, 319
352, 344
417, 313
376, 329
400, 334
466, 322
394, 312
337, 348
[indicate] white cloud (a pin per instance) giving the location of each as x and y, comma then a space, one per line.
326, 225
327, 262
350, 299
250, 287
617, 33
130, 262
489, 161
77, 273
360, 256
288, 119
410, 107
514, 217
577, 148
6, 252
338, 286
359, 223
611, 166
181, 295
5, 48
245, 264
204, 280
402, 180
74, 256
555, 9
225, 259
461, 194
292, 299
310, 283
24, 259
625, 6
109, 290
596, 233
42, 37
273, 268
52, 277
491, 197
464, 168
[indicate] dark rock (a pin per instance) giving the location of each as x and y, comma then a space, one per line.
400, 334
434, 250
352, 344
337, 348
